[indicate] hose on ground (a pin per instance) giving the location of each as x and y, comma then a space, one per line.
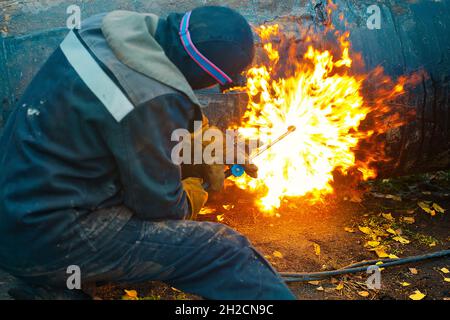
360, 267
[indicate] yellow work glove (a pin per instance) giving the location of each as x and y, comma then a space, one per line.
196, 194
214, 174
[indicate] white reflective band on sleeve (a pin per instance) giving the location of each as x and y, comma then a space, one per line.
95, 78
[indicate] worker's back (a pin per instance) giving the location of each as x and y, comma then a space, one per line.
69, 144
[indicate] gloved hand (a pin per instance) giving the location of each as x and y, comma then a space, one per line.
251, 170
214, 176
197, 196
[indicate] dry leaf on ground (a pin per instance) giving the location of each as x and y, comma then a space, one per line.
206, 210
278, 254
426, 207
381, 253
130, 295
413, 270
391, 231
409, 220
372, 244
365, 230
405, 284
417, 295
364, 294
316, 249
401, 240
438, 208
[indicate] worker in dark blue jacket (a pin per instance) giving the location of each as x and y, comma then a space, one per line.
86, 175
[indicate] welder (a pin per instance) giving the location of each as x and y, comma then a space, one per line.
86, 176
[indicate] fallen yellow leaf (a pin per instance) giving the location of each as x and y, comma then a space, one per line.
391, 231
409, 220
426, 207
444, 270
130, 295
228, 207
320, 288
314, 283
447, 279
363, 294
393, 256
220, 217
351, 230
316, 249
438, 208
413, 270
405, 284
365, 230
393, 197
278, 254
373, 244
401, 240
340, 286
381, 253
433, 244
417, 295
205, 211
388, 216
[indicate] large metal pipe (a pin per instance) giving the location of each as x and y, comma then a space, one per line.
412, 36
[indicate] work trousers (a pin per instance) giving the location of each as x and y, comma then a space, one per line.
207, 259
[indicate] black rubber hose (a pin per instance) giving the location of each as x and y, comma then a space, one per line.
360, 267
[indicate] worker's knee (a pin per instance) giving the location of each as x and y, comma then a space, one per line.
226, 239
233, 237
210, 234
195, 234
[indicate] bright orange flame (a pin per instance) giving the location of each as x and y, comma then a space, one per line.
324, 100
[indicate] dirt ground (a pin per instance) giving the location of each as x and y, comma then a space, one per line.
292, 240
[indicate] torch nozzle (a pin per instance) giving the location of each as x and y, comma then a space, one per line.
238, 170
270, 145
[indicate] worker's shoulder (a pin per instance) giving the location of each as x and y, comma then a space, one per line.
142, 89
138, 87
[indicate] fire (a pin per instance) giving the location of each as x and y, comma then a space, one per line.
323, 98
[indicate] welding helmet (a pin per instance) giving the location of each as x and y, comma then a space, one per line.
209, 45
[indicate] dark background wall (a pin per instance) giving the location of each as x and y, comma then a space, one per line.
30, 30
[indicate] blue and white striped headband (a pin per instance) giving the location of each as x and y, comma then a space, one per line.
195, 54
